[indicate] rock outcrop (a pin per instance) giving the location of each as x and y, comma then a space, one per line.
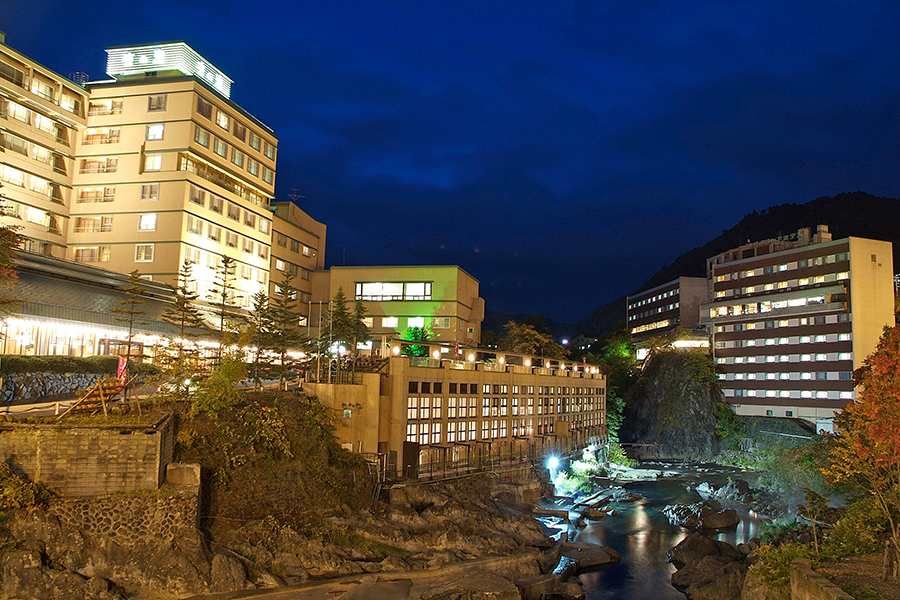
708, 569
708, 514
672, 413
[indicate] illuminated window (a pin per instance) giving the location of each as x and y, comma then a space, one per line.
220, 147
249, 218
782, 285
267, 175
234, 212
231, 239
254, 141
143, 252
153, 162
269, 151
769, 287
416, 322
390, 321
720, 294
253, 167
264, 226
156, 102
818, 279
237, 157
262, 251
92, 254
214, 232
223, 120
155, 132
440, 323
198, 196
147, 222
845, 356
280, 265
216, 203
843, 275
201, 136
240, 132
803, 281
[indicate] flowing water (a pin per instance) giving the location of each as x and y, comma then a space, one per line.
641, 533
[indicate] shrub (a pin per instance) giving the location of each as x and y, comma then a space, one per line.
775, 562
857, 531
57, 364
16, 492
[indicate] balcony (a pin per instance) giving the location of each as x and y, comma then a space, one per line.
221, 179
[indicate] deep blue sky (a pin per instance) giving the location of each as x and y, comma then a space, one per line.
560, 152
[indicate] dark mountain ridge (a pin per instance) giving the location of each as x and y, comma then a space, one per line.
855, 214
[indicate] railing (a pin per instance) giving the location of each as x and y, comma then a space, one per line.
222, 180
424, 361
543, 371
461, 365
493, 367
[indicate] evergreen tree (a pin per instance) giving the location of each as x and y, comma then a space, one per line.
285, 324
416, 334
260, 320
222, 298
10, 239
180, 362
360, 329
128, 307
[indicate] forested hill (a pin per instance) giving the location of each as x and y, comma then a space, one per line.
853, 214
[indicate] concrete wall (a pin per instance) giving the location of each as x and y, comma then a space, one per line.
89, 460
806, 584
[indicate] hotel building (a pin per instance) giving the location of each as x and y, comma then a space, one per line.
658, 311
434, 417
791, 318
298, 247
41, 115
443, 299
169, 169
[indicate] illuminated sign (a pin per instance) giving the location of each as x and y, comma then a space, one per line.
122, 61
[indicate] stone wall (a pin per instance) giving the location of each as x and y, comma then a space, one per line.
806, 584
20, 386
89, 460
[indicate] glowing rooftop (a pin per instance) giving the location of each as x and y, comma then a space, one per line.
124, 61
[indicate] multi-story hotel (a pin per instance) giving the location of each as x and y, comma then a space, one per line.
442, 299
41, 115
792, 318
429, 416
662, 309
169, 169
298, 248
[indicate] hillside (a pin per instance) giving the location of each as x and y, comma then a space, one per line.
852, 214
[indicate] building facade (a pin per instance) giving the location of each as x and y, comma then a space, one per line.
439, 416
442, 299
41, 116
792, 318
659, 311
169, 169
298, 248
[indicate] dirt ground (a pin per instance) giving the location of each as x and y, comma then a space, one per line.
860, 576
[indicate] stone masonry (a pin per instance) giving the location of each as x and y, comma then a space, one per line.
89, 460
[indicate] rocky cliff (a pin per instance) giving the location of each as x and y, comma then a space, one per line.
671, 413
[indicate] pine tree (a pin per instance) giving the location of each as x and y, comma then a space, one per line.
260, 320
180, 362
285, 324
222, 298
10, 240
360, 329
128, 307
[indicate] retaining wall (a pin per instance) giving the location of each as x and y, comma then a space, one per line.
806, 584
20, 386
89, 460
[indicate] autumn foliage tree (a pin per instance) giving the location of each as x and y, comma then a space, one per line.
525, 339
866, 452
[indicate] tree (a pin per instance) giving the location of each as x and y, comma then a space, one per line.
340, 324
181, 361
222, 297
864, 455
260, 320
525, 339
614, 354
10, 239
416, 334
360, 329
128, 307
285, 334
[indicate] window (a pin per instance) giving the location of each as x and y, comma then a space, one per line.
150, 192
269, 151
262, 251
214, 232
101, 136
198, 196
93, 224
99, 165
237, 157
216, 203
234, 212
223, 120
240, 132
153, 162
264, 226
390, 321
201, 136
220, 147
253, 167
249, 219
254, 141
105, 107
156, 102
416, 322
845, 356
307, 250
789, 413
280, 265
247, 246
155, 131
295, 246
281, 240
92, 254
267, 175
204, 107
843, 337
231, 239
194, 225
143, 252
147, 222
440, 323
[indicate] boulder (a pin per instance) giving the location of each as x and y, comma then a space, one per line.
696, 546
708, 514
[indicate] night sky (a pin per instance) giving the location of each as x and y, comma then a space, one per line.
560, 152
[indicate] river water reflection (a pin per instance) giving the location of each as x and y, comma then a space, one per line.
641, 533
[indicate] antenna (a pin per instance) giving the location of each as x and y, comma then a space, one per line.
295, 193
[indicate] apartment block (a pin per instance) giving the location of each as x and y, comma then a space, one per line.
168, 169
791, 318
41, 113
443, 299
660, 310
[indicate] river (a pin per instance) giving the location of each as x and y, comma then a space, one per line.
643, 536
